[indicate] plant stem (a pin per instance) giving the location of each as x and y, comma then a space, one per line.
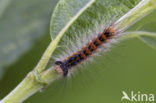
142, 9
26, 88
29, 86
128, 35
46, 56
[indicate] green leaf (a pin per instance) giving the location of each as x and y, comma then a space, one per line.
73, 20
21, 23
72, 23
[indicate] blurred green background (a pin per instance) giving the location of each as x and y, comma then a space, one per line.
129, 66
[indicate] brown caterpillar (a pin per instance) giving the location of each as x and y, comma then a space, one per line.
62, 67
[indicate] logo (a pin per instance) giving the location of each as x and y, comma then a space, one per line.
137, 96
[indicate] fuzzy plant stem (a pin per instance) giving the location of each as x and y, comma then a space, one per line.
36, 79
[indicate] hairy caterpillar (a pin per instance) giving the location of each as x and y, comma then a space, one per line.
62, 67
